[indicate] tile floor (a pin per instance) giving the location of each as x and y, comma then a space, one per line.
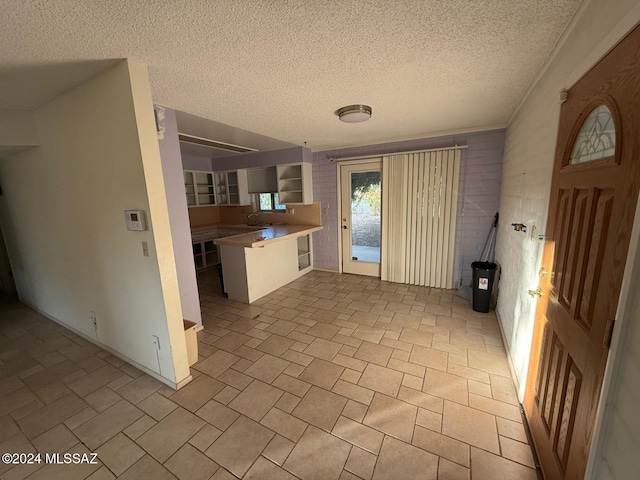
331, 377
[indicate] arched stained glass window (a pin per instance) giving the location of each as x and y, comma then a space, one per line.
596, 138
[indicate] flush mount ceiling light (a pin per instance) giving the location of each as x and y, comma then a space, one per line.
354, 113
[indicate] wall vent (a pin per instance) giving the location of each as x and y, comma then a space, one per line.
205, 142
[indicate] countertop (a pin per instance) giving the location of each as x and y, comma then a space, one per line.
267, 235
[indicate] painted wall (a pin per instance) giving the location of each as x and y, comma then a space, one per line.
62, 212
526, 180
178, 213
17, 132
479, 189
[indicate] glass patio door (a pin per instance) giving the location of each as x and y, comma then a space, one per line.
361, 193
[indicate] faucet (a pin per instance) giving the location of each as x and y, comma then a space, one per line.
253, 220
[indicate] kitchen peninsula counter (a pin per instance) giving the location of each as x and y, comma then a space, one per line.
258, 262
267, 235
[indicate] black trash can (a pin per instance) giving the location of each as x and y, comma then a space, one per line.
483, 274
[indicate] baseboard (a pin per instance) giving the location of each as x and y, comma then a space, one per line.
325, 270
121, 356
509, 359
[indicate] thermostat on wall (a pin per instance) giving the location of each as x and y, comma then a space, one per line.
135, 220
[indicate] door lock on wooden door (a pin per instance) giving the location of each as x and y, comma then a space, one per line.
344, 227
535, 293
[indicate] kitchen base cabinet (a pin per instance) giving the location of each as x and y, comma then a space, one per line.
205, 254
252, 273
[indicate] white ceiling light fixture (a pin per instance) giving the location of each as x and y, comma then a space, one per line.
354, 113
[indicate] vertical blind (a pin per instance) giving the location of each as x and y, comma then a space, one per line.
419, 206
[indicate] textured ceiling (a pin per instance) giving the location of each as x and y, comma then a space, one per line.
282, 68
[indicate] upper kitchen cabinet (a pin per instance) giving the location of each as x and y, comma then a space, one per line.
199, 188
232, 188
294, 183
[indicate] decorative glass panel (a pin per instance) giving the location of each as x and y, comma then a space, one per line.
597, 137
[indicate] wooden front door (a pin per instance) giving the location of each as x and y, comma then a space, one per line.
593, 199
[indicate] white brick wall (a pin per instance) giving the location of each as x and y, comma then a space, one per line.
526, 177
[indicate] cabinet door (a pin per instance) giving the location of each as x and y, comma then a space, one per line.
204, 188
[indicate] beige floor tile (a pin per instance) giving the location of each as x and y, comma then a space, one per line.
49, 393
205, 437
514, 430
381, 379
286, 425
318, 456
452, 471
288, 402
405, 320
361, 463
441, 445
370, 352
321, 373
8, 428
345, 339
119, 453
324, 349
103, 473
190, 464
369, 334
412, 382
275, 345
469, 373
278, 449
198, 392
138, 427
429, 357
348, 350
157, 406
406, 367
235, 379
147, 467
470, 426
240, 445
446, 386
354, 410
217, 363
503, 390
294, 370
396, 345
217, 414
281, 327
165, 438
429, 419
358, 434
297, 357
504, 410
351, 376
267, 368
231, 341
391, 416
139, 389
46, 417
478, 388
326, 316
416, 337
400, 460
354, 392
490, 363
517, 451
348, 362
102, 399
263, 469
323, 330
102, 427
364, 318
226, 395
93, 381
256, 400
320, 408
487, 466
56, 440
